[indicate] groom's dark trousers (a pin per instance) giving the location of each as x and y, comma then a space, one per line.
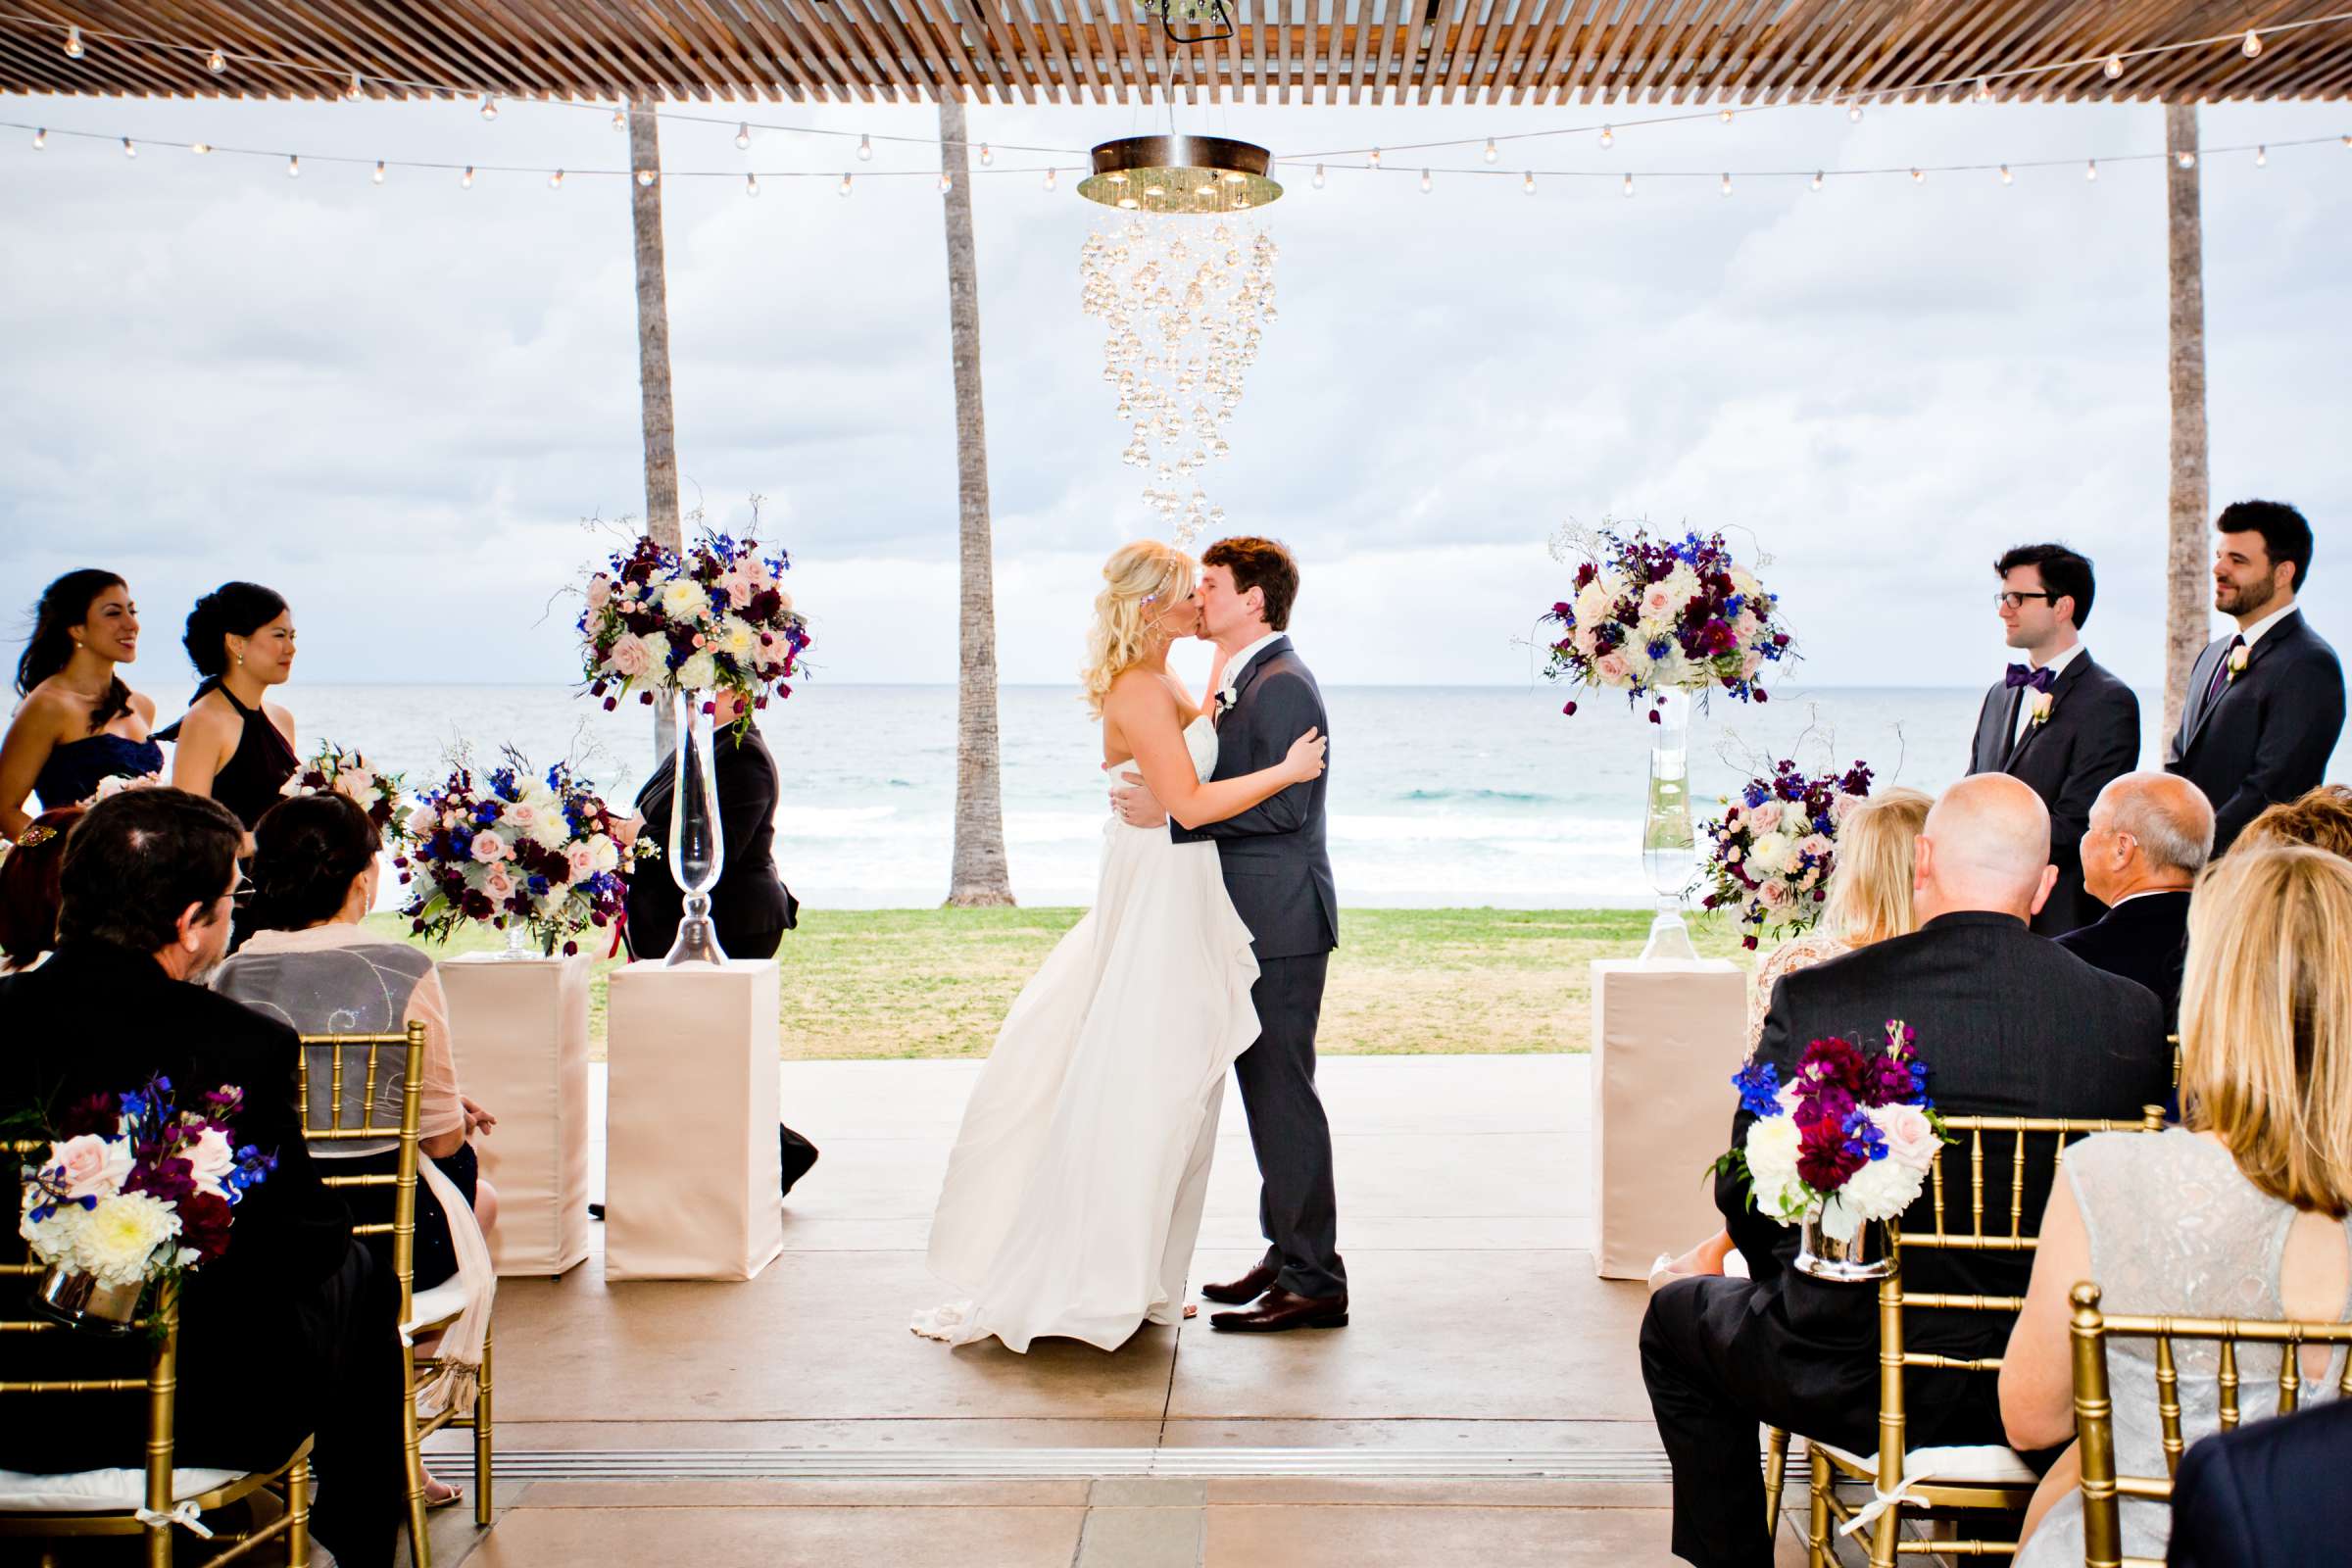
1278, 873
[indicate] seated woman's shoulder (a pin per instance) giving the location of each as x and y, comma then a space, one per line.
143, 705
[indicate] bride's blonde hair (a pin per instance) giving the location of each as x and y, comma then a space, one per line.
1139, 582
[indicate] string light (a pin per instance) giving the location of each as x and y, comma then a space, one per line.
1492, 151
645, 177
1609, 137
1629, 185
1725, 116
1726, 185
74, 49
555, 181
986, 157
1918, 177
2253, 44
1317, 182
2262, 156
352, 90
489, 107
743, 136
1375, 158
2007, 179
200, 148
2185, 158
1853, 112
2114, 67
2093, 170
865, 149
751, 184
1529, 183
946, 183
843, 188
293, 167
129, 149
40, 138
1425, 183
1817, 179
466, 180
216, 62
1050, 173
620, 120
380, 171
1984, 89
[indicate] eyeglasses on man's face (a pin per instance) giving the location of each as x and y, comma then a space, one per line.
2011, 599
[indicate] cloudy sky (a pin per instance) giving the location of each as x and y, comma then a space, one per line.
398, 403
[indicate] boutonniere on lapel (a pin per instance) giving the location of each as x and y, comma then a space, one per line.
2037, 709
1226, 698
2237, 660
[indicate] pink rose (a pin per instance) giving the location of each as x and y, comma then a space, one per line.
1774, 894
1816, 846
499, 885
1583, 640
1612, 669
210, 1160
582, 861
90, 1165
1749, 662
1910, 1137
600, 591
521, 815
1657, 602
1764, 818
488, 848
629, 657
1842, 806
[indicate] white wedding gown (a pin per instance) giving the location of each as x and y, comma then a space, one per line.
1073, 1195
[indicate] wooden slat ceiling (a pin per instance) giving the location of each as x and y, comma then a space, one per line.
1072, 51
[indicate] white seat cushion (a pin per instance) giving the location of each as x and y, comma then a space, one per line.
98, 1490
1987, 1464
436, 1306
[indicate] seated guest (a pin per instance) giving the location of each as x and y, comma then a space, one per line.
1869, 901
2238, 1212
2149, 836
310, 964
292, 1332
2009, 1025
29, 875
2270, 1492
2321, 817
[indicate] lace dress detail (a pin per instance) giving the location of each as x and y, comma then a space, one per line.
2175, 1231
1797, 953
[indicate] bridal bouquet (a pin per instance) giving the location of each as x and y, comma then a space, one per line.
1774, 847
537, 855
135, 1190
1650, 617
714, 619
351, 775
1849, 1140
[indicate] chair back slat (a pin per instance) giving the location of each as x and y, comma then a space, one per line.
1976, 1182
2017, 1187
2168, 1403
2228, 1382
401, 1227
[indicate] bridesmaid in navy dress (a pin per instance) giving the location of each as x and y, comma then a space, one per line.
235, 744
79, 724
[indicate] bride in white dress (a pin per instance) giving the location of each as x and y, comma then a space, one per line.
1073, 1195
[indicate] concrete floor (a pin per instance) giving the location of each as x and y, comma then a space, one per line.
1485, 1405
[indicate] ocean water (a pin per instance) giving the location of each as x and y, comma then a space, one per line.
1439, 795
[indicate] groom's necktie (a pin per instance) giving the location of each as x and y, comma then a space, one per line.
2221, 669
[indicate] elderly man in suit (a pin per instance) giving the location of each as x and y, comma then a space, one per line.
2008, 1025
2149, 836
2059, 721
2266, 704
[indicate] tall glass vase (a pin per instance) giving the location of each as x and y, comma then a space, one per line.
1669, 849
695, 847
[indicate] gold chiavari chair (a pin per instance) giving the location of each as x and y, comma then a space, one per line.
1989, 1477
420, 1313
163, 1497
2094, 1410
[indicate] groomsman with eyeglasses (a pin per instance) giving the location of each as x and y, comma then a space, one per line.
2059, 721
2265, 705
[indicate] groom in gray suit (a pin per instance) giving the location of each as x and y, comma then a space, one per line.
1279, 876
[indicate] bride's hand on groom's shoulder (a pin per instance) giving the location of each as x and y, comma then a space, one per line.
1135, 803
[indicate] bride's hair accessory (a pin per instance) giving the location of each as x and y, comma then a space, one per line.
1136, 579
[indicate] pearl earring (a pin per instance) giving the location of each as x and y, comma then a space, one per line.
240, 660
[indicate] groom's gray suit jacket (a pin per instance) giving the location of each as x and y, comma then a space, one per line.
1276, 866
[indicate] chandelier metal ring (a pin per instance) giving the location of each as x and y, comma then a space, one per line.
1175, 173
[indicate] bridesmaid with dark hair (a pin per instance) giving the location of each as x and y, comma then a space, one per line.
235, 744
79, 724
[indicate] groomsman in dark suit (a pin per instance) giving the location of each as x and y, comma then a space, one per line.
2265, 705
2150, 834
2270, 1492
2059, 721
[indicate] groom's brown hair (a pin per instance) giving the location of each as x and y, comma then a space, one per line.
1262, 564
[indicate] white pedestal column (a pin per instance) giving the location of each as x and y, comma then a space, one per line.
691, 1172
518, 1028
1667, 1036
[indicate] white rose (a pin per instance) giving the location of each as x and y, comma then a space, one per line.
1592, 603
210, 1160
603, 854
422, 821
122, 1234
1770, 851
1882, 1189
1911, 1139
1743, 583
700, 673
685, 601
1771, 1147
737, 640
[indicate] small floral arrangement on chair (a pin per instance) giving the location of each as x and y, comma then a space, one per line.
1650, 617
1849, 1140
1774, 847
135, 1190
541, 855
381, 794
717, 619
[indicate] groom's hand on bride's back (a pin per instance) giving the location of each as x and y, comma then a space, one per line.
1135, 805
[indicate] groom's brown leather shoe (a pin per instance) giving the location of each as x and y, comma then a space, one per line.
1249, 1287
1278, 1311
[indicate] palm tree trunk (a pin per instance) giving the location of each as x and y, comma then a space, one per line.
978, 877
653, 361
2188, 594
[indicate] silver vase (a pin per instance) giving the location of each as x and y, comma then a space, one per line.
1867, 1256
1669, 847
77, 1301
697, 846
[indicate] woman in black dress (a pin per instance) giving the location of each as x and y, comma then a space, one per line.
235, 744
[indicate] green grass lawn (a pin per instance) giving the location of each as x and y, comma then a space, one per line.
874, 984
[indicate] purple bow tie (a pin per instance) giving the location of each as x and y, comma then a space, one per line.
2020, 675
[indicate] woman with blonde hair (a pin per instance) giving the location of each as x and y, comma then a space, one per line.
1867, 899
1074, 1191
2239, 1212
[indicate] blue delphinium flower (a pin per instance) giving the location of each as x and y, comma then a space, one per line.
1759, 1086
1863, 1140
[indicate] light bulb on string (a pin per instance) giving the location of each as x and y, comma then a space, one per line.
1374, 160
986, 157
2007, 179
2262, 156
1817, 179
1723, 114
2253, 44
865, 149
743, 136
555, 181
216, 62
1317, 182
2185, 158
1984, 89
2091, 171
379, 176
74, 49
352, 89
1529, 183
40, 137
946, 183
1492, 151
293, 167
1050, 173
1609, 137
1425, 183
2114, 67
644, 176
843, 186
130, 148
620, 120
489, 107
751, 184
466, 180
1627, 188
1918, 176
1725, 187
200, 148
1853, 112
